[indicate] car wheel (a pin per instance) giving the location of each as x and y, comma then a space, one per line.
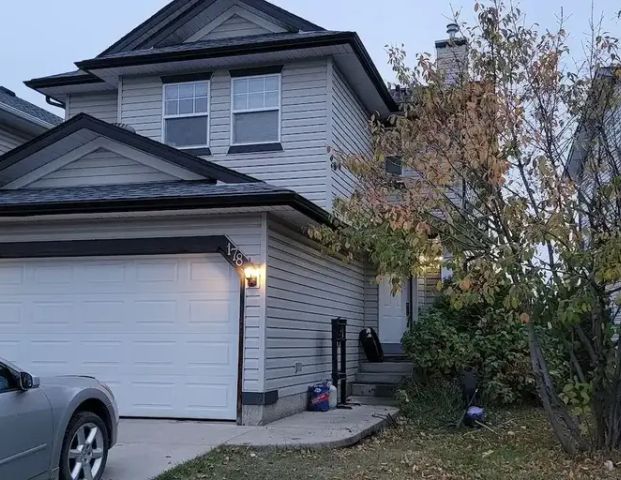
85, 448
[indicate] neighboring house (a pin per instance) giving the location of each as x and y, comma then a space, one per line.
156, 239
21, 120
596, 151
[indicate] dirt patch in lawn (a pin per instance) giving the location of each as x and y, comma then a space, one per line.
520, 448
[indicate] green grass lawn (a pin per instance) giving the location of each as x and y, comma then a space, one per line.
520, 448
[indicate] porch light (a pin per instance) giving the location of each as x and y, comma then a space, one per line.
252, 274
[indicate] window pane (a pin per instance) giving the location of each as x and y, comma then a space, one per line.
171, 92
200, 105
201, 89
186, 90
240, 102
271, 99
187, 132
186, 106
271, 84
240, 86
255, 100
171, 107
256, 84
255, 127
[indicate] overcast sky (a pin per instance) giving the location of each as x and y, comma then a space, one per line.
43, 37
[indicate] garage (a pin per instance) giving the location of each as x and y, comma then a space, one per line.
161, 330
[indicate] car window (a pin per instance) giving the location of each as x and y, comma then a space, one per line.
7, 380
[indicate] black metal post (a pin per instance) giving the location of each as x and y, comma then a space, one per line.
339, 348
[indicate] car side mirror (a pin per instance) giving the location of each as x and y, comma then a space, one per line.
27, 381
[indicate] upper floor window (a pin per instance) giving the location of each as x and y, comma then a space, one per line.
186, 114
256, 109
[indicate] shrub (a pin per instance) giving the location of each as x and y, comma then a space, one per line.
435, 405
444, 341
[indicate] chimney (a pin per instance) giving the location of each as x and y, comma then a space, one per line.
452, 55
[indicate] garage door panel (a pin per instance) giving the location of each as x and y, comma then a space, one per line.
162, 331
11, 275
11, 315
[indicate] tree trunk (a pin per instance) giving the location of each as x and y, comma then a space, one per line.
563, 423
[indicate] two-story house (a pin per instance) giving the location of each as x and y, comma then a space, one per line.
21, 120
156, 238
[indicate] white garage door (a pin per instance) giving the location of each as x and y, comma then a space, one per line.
162, 331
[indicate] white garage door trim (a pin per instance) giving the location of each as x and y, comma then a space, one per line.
101, 296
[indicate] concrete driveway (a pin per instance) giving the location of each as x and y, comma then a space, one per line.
147, 448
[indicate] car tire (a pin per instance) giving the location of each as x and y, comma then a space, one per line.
85, 445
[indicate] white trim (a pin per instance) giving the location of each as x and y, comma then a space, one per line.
227, 15
257, 110
188, 115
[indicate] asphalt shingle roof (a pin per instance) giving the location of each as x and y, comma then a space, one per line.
224, 42
139, 191
8, 98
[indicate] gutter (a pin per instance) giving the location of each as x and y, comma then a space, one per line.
47, 82
25, 116
340, 38
287, 198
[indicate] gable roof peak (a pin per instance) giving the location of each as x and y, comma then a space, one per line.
83, 121
179, 12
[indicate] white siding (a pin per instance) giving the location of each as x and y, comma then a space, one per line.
10, 139
101, 167
306, 289
371, 300
246, 231
102, 105
301, 166
427, 289
235, 26
350, 132
141, 105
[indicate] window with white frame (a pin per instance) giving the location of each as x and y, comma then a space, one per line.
186, 114
256, 109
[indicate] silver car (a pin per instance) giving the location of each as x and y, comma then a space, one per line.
54, 428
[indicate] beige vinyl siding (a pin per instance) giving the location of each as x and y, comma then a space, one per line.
303, 163
9, 139
350, 131
306, 289
235, 26
246, 231
101, 167
101, 105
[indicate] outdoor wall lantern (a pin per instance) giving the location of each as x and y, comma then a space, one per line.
252, 274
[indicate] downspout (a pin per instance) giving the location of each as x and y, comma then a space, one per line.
54, 103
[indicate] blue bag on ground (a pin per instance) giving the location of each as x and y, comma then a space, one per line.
319, 398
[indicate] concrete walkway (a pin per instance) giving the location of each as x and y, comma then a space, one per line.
147, 448
310, 430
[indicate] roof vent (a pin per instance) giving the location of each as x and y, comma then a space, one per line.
125, 126
452, 29
7, 91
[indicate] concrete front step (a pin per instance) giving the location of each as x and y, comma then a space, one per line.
373, 401
392, 378
399, 368
383, 390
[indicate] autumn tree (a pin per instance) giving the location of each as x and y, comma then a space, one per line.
512, 179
